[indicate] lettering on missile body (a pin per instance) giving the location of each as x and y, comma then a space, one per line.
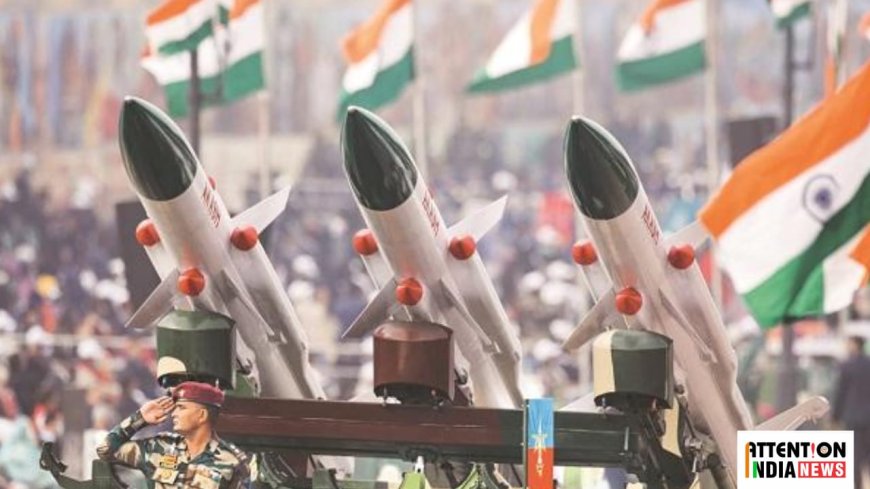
431, 213
210, 203
651, 226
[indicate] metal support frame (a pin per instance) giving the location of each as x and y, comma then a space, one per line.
393, 430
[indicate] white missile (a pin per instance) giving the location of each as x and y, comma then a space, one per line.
209, 260
426, 270
656, 285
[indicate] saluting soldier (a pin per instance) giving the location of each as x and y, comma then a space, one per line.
190, 456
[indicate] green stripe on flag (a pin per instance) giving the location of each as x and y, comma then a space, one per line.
240, 79
797, 289
561, 60
647, 72
796, 14
387, 86
190, 42
243, 77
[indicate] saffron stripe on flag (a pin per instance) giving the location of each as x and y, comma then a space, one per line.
365, 39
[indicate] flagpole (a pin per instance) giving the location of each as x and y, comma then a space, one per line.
194, 100
711, 102
264, 122
419, 103
577, 79
578, 83
786, 392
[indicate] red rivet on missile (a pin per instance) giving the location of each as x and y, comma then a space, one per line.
409, 292
584, 253
681, 257
191, 282
364, 242
628, 301
146, 233
244, 237
462, 247
211, 182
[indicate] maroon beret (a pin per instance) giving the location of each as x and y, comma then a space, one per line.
199, 392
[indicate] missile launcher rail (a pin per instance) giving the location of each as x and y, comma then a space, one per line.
437, 434
447, 433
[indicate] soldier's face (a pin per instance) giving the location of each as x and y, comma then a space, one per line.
187, 416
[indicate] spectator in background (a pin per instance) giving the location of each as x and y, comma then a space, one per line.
29, 369
8, 403
852, 403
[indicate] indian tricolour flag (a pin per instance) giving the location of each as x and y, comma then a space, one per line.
793, 221
175, 26
230, 63
380, 57
665, 44
788, 11
538, 47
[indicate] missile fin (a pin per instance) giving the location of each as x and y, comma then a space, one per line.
602, 315
694, 234
378, 269
158, 303
229, 291
457, 303
791, 419
160, 259
261, 214
375, 312
481, 221
706, 353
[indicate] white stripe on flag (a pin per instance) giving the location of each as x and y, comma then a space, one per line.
565, 22
397, 36
181, 26
515, 51
675, 27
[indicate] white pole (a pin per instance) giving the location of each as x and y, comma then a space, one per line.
711, 102
419, 107
264, 102
577, 78
578, 83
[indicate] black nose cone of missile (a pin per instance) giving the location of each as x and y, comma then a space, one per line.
600, 173
379, 167
157, 157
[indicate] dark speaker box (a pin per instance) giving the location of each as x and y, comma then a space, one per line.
747, 135
140, 274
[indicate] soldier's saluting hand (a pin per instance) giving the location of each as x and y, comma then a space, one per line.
190, 456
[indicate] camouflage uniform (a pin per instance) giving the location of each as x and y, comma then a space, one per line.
166, 463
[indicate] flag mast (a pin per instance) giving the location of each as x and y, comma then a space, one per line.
711, 128
578, 84
263, 100
419, 101
194, 98
577, 79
